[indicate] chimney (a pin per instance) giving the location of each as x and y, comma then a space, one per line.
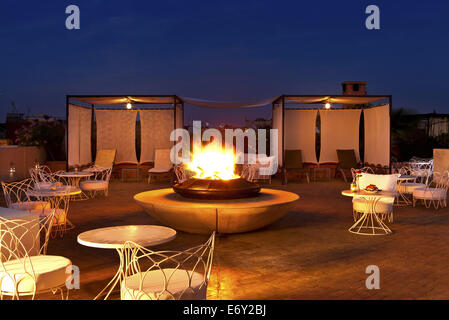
354, 88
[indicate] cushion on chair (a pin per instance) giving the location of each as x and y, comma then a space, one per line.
153, 282
30, 205
430, 193
159, 170
162, 160
49, 272
346, 159
409, 187
385, 182
384, 205
293, 159
93, 185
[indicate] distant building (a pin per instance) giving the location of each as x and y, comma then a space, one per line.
259, 123
433, 124
40, 117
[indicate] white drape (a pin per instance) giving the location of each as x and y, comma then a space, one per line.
277, 124
156, 126
79, 135
339, 130
116, 129
377, 135
300, 132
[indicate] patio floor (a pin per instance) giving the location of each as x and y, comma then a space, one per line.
309, 254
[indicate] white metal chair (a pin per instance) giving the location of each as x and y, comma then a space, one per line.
104, 159
247, 172
421, 168
362, 170
99, 183
422, 174
384, 206
262, 170
44, 178
16, 197
25, 270
182, 173
434, 193
167, 275
162, 163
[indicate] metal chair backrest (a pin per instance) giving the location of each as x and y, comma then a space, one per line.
16, 192
21, 239
105, 158
162, 159
362, 170
193, 261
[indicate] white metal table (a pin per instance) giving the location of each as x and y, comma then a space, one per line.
58, 198
370, 223
73, 179
115, 238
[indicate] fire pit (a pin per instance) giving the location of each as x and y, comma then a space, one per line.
216, 198
215, 178
217, 189
224, 216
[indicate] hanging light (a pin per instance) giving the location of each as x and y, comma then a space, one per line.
129, 105
327, 105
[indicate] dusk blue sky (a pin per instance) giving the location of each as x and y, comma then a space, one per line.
222, 50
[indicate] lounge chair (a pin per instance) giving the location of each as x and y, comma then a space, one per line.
104, 160
162, 163
346, 161
293, 163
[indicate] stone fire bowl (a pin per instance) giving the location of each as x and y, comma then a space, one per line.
224, 216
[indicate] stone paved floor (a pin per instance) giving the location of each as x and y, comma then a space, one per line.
309, 254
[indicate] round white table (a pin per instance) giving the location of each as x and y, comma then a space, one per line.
370, 223
73, 179
115, 238
58, 198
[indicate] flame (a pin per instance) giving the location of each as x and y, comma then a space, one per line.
213, 163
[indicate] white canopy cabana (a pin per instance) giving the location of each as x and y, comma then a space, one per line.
116, 126
339, 126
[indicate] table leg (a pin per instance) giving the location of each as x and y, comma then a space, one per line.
118, 277
75, 182
369, 223
59, 204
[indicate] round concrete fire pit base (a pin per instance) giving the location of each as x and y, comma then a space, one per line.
224, 216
